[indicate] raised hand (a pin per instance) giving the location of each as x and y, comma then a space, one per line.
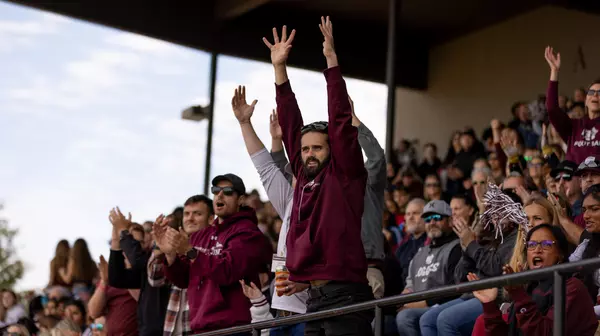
159, 233
463, 231
118, 220
178, 240
280, 49
552, 59
483, 295
242, 111
274, 127
103, 269
327, 30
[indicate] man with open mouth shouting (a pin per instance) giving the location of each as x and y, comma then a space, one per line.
324, 247
211, 262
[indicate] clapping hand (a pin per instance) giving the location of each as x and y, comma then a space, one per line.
280, 49
159, 233
251, 292
118, 220
103, 269
483, 295
463, 231
242, 111
178, 240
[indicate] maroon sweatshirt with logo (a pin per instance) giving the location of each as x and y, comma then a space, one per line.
324, 241
581, 135
227, 252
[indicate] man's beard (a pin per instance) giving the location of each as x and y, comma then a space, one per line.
311, 173
435, 233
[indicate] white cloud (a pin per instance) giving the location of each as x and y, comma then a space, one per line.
146, 45
16, 34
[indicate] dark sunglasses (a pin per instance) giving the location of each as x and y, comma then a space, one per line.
432, 218
227, 191
545, 244
565, 177
591, 92
319, 126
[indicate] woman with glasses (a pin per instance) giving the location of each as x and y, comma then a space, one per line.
581, 135
531, 311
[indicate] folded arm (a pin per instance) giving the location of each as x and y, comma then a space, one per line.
240, 257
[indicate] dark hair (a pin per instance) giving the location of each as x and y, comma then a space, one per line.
201, 199
137, 227
515, 106
35, 306
559, 236
317, 126
432, 145
79, 304
467, 199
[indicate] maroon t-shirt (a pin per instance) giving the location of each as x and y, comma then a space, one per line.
121, 313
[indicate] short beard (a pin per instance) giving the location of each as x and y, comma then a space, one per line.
310, 173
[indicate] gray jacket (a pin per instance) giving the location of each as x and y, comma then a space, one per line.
371, 235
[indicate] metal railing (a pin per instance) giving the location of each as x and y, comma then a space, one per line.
557, 271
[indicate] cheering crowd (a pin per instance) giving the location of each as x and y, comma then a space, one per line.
337, 230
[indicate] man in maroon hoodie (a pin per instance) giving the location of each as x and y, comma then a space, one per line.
212, 261
324, 247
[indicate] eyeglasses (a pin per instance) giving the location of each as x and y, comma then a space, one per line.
97, 326
227, 191
565, 177
431, 218
318, 126
591, 92
545, 244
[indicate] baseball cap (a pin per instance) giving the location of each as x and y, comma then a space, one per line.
236, 181
591, 163
564, 167
437, 207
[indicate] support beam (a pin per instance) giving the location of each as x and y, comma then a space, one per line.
390, 77
229, 9
211, 112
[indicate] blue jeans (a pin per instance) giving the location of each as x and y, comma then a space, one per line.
453, 318
407, 321
293, 330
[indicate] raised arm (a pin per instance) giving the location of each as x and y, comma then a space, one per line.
558, 118
277, 186
343, 137
156, 269
277, 152
376, 164
288, 110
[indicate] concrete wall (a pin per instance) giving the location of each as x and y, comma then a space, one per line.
477, 77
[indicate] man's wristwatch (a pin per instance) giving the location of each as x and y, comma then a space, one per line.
192, 254
123, 234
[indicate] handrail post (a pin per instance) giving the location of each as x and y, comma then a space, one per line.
378, 321
559, 304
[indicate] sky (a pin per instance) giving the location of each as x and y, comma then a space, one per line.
90, 119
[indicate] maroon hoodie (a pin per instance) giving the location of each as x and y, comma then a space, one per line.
227, 252
324, 241
581, 135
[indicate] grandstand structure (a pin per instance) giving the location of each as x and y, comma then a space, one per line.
428, 52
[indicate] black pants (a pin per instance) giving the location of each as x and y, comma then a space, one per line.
338, 295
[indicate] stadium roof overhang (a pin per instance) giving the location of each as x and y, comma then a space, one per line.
235, 27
